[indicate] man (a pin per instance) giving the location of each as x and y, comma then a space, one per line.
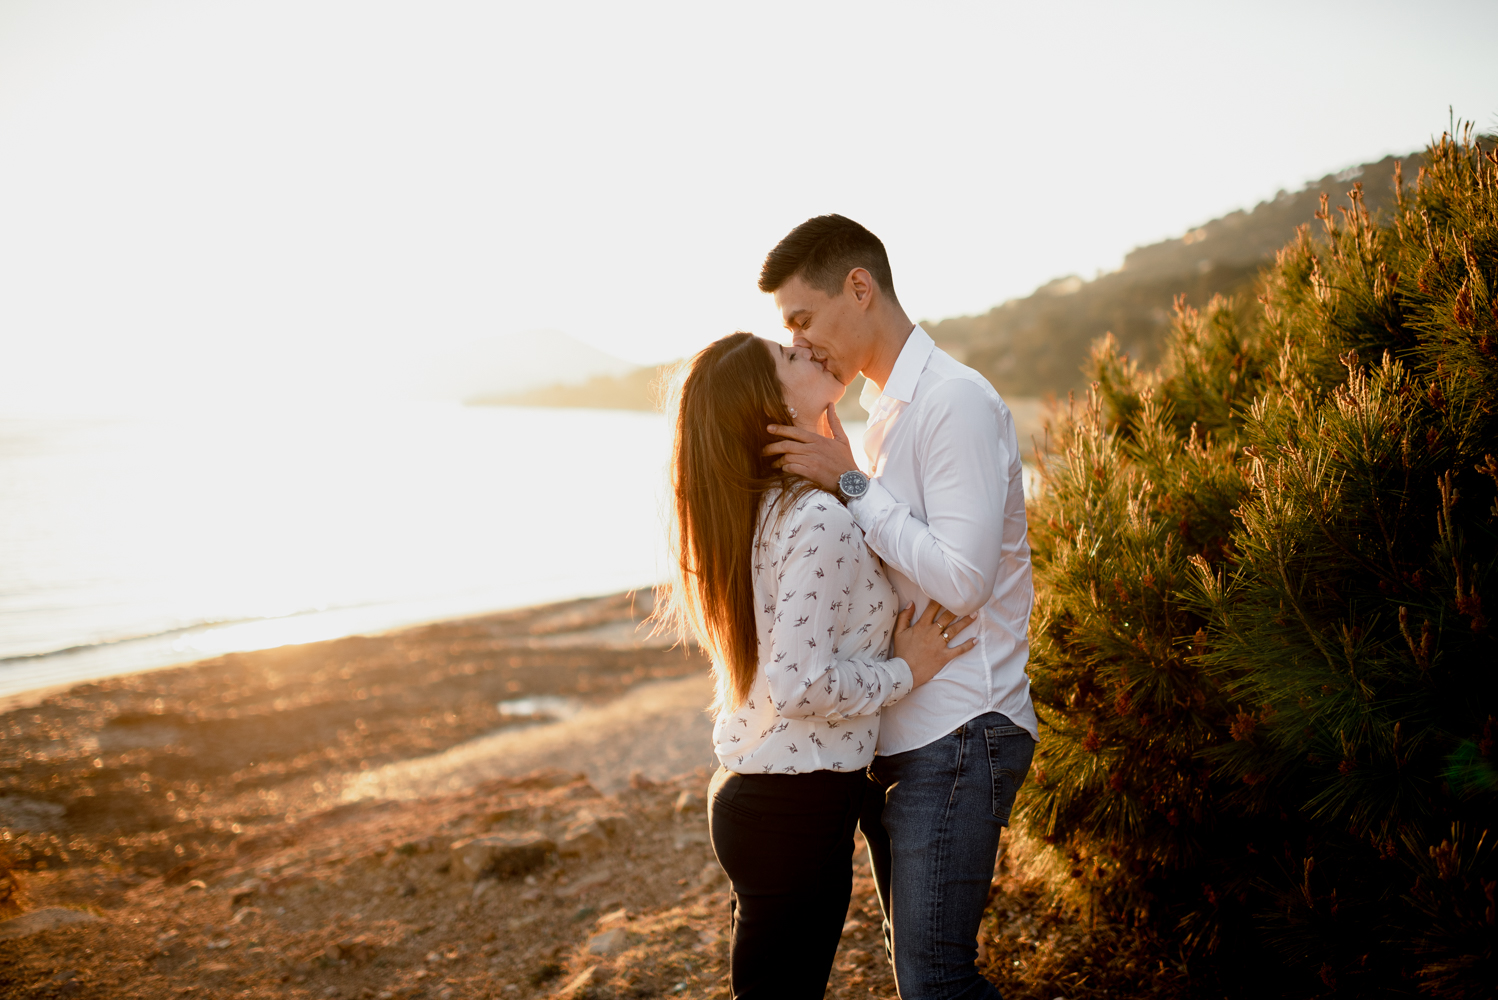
946, 512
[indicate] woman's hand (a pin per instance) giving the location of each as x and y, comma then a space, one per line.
925, 644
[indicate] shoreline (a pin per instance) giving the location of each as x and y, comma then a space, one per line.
28, 679
278, 822
220, 745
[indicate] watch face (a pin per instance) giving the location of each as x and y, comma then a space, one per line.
853, 483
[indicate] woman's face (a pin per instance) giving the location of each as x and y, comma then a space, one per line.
808, 387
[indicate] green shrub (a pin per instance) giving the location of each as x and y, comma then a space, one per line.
1262, 650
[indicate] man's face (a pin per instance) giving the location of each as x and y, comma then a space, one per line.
830, 327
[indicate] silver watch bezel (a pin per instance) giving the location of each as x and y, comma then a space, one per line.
859, 477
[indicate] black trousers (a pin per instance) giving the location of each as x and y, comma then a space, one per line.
786, 842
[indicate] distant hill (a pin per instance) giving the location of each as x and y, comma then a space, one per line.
496, 365
634, 390
1035, 346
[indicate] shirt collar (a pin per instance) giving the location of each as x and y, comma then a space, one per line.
909, 365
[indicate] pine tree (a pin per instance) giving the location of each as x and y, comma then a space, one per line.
1261, 645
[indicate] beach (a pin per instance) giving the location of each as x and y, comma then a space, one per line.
281, 822
304, 822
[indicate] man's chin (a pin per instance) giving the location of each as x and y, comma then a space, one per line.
837, 373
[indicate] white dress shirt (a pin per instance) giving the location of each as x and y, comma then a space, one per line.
825, 616
945, 510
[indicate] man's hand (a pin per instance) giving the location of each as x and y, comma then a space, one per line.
820, 459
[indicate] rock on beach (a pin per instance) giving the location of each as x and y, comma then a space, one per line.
504, 855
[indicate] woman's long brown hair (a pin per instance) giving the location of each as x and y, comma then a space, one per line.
719, 477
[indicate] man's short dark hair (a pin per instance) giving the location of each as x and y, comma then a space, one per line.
822, 251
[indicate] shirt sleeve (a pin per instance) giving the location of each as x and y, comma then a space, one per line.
966, 447
818, 663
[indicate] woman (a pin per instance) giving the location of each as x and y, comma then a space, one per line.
775, 581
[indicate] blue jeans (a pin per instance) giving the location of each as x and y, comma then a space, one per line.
933, 822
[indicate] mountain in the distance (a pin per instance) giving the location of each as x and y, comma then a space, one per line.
632, 390
500, 366
1036, 346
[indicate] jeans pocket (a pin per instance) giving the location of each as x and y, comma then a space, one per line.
1010, 751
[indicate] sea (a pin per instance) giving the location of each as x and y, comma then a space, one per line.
134, 543
131, 543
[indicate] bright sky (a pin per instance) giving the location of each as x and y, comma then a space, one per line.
204, 200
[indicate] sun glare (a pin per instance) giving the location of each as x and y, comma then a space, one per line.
210, 201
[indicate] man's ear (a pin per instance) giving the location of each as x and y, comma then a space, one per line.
860, 283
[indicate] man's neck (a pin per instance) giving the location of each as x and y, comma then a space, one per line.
889, 341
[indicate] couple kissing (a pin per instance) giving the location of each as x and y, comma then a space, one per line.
868, 631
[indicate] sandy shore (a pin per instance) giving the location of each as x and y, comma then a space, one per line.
134, 793
249, 737
281, 824
656, 730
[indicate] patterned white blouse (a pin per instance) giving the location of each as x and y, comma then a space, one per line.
825, 615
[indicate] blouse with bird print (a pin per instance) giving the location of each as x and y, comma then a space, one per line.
825, 616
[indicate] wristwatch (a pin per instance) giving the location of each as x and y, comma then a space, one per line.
852, 484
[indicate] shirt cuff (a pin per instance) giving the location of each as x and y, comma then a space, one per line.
867, 509
900, 674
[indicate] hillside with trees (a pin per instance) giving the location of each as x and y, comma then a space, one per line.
1038, 345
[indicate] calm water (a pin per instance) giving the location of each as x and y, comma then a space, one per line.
134, 543
130, 544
